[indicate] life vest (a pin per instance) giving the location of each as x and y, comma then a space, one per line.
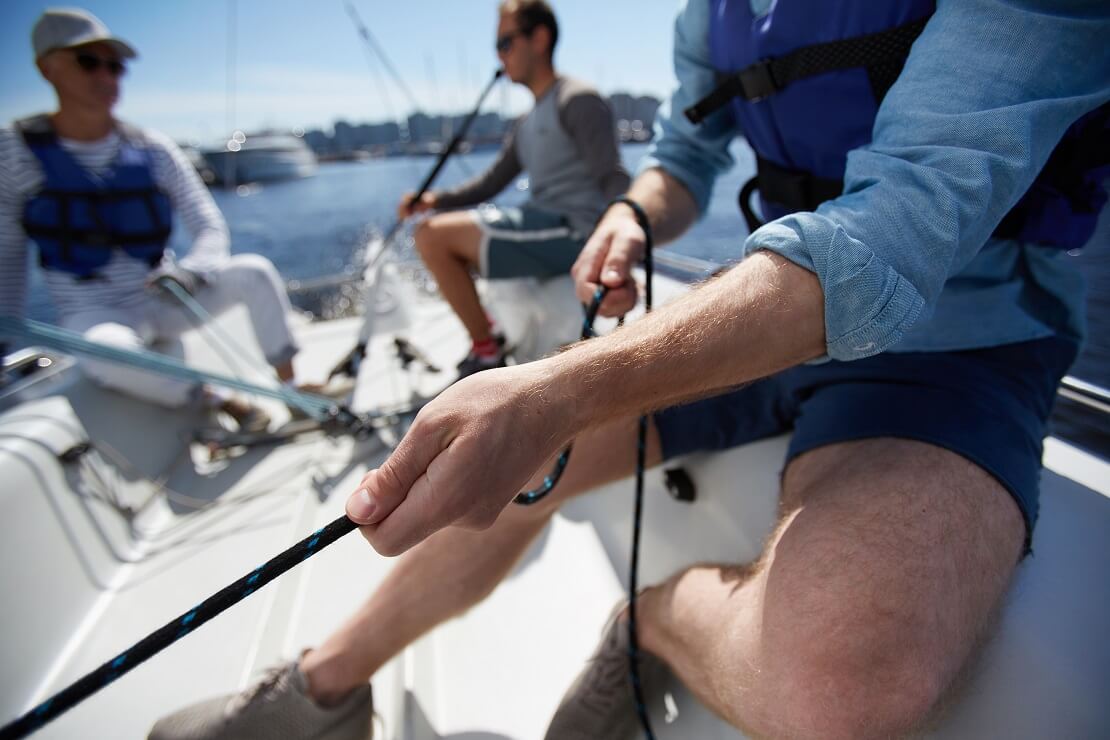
804, 83
78, 218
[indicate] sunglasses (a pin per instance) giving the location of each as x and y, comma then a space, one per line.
505, 42
91, 62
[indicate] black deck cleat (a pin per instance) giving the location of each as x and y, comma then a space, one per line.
680, 485
75, 453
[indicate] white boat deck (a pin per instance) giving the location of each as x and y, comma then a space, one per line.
81, 583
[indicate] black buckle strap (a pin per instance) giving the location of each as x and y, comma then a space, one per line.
752, 83
793, 190
885, 49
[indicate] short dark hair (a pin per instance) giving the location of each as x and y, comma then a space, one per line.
530, 15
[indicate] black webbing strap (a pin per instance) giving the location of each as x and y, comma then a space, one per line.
793, 190
882, 53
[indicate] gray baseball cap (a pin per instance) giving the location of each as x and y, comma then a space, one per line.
64, 28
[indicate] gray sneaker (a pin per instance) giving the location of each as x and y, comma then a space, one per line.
600, 704
278, 706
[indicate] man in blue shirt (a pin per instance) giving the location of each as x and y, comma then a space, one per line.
910, 489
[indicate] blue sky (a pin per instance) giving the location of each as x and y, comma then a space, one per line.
301, 63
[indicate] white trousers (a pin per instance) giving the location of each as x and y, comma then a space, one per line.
158, 321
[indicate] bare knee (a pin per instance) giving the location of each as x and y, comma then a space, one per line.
426, 239
252, 268
844, 691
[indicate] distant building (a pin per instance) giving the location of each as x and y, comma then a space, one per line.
423, 132
635, 115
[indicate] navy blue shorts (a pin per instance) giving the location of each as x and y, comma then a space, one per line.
989, 405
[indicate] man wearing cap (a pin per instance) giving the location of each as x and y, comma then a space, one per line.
96, 195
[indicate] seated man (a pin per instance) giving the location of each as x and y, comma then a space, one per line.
96, 195
568, 146
910, 490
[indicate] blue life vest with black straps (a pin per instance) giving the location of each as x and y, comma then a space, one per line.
79, 218
804, 83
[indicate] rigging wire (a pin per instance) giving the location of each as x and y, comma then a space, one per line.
73, 343
379, 80
372, 42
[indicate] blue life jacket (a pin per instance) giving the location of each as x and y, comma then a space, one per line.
804, 83
78, 218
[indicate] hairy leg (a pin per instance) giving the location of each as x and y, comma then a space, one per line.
871, 594
455, 569
448, 245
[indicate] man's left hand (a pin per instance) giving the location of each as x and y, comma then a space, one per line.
188, 280
467, 454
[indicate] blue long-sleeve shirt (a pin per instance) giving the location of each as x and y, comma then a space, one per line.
905, 256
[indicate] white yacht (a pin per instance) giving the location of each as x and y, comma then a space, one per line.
259, 158
115, 521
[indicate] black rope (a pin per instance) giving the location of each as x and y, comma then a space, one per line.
527, 498
638, 506
173, 631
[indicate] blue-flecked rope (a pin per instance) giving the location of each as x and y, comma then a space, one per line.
45, 335
174, 630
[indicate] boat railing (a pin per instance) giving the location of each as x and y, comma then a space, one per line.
1087, 394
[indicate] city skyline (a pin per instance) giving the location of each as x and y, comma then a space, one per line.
298, 65
634, 116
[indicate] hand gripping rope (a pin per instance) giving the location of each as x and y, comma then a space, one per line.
527, 498
214, 605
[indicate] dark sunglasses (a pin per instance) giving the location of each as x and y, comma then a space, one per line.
505, 42
91, 62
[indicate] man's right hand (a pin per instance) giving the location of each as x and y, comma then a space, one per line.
407, 208
607, 259
439, 476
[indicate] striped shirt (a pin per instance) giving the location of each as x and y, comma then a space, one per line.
121, 281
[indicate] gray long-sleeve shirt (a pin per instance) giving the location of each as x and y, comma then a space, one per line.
568, 145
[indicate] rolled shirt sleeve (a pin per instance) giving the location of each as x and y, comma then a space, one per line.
694, 155
986, 94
